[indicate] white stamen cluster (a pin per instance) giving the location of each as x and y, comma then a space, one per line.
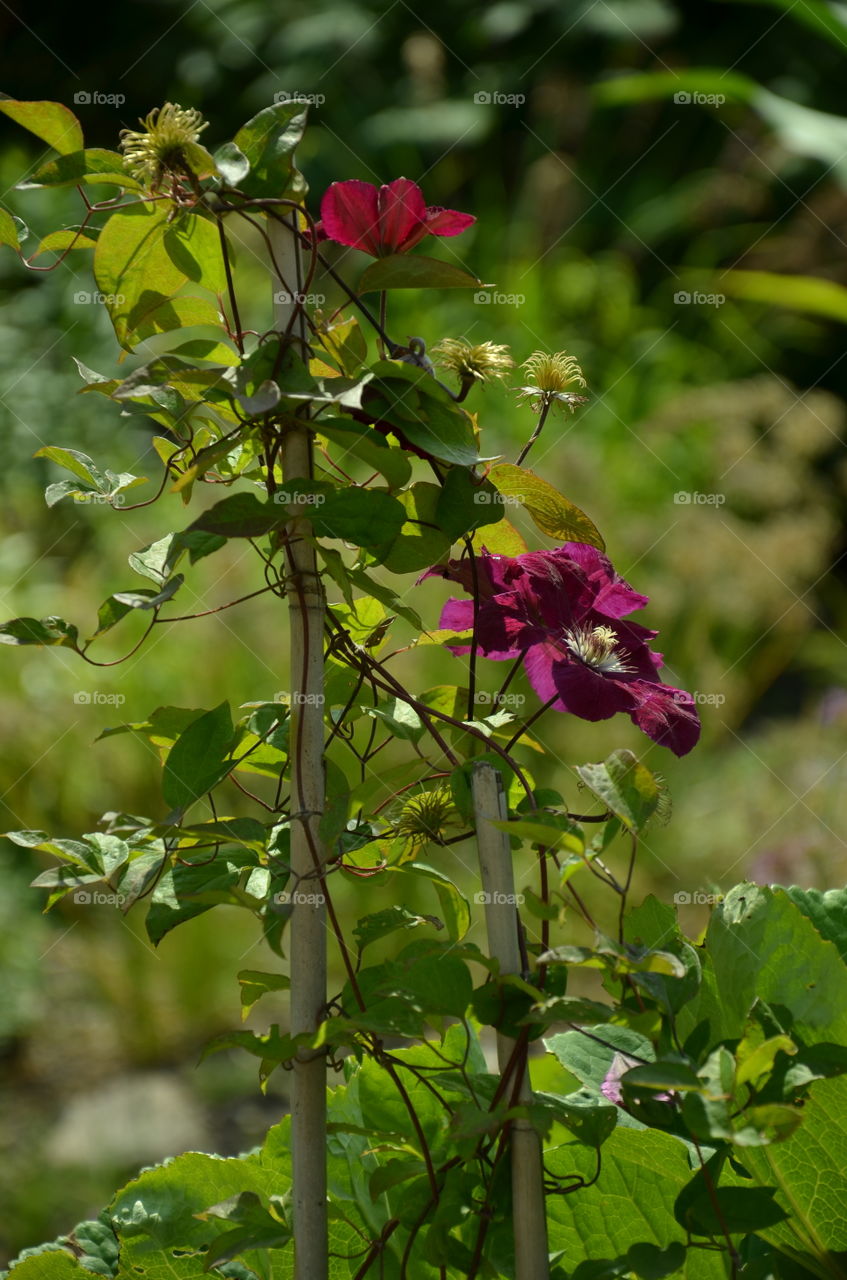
597, 648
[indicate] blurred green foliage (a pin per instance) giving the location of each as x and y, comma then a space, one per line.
599, 199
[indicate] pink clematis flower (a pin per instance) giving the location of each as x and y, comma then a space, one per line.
612, 1086
384, 220
563, 612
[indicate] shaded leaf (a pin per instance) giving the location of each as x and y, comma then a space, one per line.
199, 759
414, 271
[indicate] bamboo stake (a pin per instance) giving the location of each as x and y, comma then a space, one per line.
502, 921
308, 919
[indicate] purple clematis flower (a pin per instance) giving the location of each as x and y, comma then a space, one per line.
563, 611
383, 220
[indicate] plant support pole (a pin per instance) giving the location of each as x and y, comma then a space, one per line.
308, 919
502, 922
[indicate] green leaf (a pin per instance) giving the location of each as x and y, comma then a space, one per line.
625, 786
384, 1111
654, 925
199, 759
55, 1263
620, 90
149, 599
401, 719
255, 984
412, 402
650, 1262
62, 241
8, 230
368, 446
385, 595
811, 294
232, 163
112, 611
662, 1076
142, 260
589, 1118
154, 562
257, 1228
268, 142
818, 16
132, 267
827, 910
159, 1208
53, 123
79, 463
551, 830
46, 631
755, 1061
551, 512
804, 131
631, 1202
406, 271
188, 889
89, 167
810, 1174
454, 905
345, 344
183, 313
418, 542
240, 516
365, 517
712, 1211
96, 483
380, 924
465, 504
762, 947
589, 1056
193, 245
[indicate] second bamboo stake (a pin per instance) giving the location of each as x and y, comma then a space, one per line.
502, 921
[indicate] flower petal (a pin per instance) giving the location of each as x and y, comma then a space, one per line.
350, 215
402, 211
590, 694
611, 1087
667, 715
447, 222
612, 595
499, 633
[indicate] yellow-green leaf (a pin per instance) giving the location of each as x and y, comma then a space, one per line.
554, 514
50, 121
